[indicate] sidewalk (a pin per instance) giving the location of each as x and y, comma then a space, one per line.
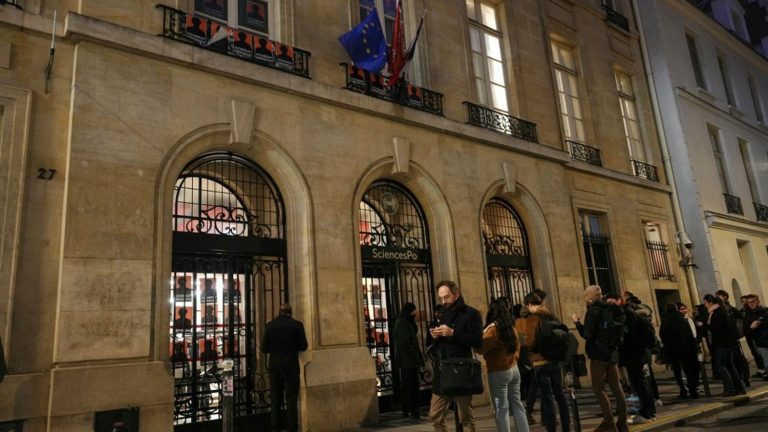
671, 413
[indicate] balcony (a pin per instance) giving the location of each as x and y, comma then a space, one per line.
733, 204
762, 212
251, 47
658, 256
616, 18
644, 170
403, 93
582, 152
501, 122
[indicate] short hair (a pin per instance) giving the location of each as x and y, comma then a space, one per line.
448, 283
751, 297
541, 293
532, 299
594, 291
709, 298
671, 307
629, 293
286, 309
723, 293
680, 305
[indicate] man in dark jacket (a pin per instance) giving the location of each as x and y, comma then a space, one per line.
634, 356
678, 334
723, 338
756, 327
461, 329
408, 359
284, 337
603, 354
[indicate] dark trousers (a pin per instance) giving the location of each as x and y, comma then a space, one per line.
729, 373
550, 382
688, 364
759, 362
641, 385
608, 373
284, 384
409, 383
532, 389
742, 365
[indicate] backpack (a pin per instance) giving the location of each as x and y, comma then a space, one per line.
644, 333
612, 327
552, 340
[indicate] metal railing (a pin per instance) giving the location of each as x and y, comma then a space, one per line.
658, 255
644, 170
402, 93
616, 18
501, 122
733, 204
216, 36
761, 211
582, 152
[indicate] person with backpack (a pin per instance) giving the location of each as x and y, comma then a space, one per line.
723, 338
501, 351
635, 356
737, 319
603, 330
543, 336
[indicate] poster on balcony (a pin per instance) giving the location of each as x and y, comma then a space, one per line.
284, 55
356, 82
254, 15
264, 50
242, 45
378, 84
214, 8
220, 37
414, 96
196, 29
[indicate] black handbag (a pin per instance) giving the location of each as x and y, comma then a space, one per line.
460, 376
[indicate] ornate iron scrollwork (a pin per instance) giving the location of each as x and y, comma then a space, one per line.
585, 153
644, 170
761, 211
503, 245
501, 122
733, 204
616, 18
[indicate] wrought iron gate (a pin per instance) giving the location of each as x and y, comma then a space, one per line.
396, 269
506, 253
228, 280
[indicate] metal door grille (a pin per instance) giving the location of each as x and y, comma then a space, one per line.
597, 251
506, 253
228, 280
396, 269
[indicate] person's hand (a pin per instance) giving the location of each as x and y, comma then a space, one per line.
441, 331
755, 324
576, 318
699, 324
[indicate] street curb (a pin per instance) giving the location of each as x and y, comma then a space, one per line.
681, 418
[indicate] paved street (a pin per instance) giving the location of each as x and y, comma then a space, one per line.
705, 413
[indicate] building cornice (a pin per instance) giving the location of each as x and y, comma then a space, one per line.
733, 223
705, 104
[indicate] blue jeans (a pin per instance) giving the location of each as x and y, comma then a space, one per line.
504, 387
550, 381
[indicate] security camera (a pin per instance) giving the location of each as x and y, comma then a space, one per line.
685, 240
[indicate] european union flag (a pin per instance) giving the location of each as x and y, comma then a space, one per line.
365, 44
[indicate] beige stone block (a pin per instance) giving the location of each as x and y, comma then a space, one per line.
94, 335
157, 418
24, 396
6, 48
101, 388
105, 285
341, 406
73, 423
338, 307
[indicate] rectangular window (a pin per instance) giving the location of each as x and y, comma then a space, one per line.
485, 40
749, 170
566, 79
629, 116
246, 14
693, 52
387, 12
714, 139
597, 251
658, 253
726, 81
756, 103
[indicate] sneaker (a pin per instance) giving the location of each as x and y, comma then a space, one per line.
638, 419
659, 402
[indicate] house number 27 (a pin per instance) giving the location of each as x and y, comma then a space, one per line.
46, 173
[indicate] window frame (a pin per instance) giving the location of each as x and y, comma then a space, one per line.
757, 105
725, 76
628, 100
562, 74
588, 220
231, 16
478, 24
720, 162
693, 54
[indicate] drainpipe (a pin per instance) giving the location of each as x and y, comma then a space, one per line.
684, 246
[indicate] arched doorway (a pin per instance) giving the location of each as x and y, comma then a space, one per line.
396, 264
228, 279
507, 256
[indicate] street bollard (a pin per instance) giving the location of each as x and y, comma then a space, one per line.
227, 400
571, 394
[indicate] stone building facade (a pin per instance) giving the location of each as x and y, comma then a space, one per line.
162, 193
711, 80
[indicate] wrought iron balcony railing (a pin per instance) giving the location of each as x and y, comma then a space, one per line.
616, 18
402, 93
501, 122
658, 255
582, 152
14, 3
762, 212
644, 170
215, 36
733, 204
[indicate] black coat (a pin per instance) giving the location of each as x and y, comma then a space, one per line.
760, 334
677, 337
722, 331
632, 351
590, 330
283, 339
467, 334
407, 352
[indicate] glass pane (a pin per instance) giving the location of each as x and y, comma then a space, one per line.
480, 84
471, 9
492, 47
499, 97
496, 72
489, 16
579, 128
474, 39
390, 7
368, 3
573, 86
575, 107
477, 62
